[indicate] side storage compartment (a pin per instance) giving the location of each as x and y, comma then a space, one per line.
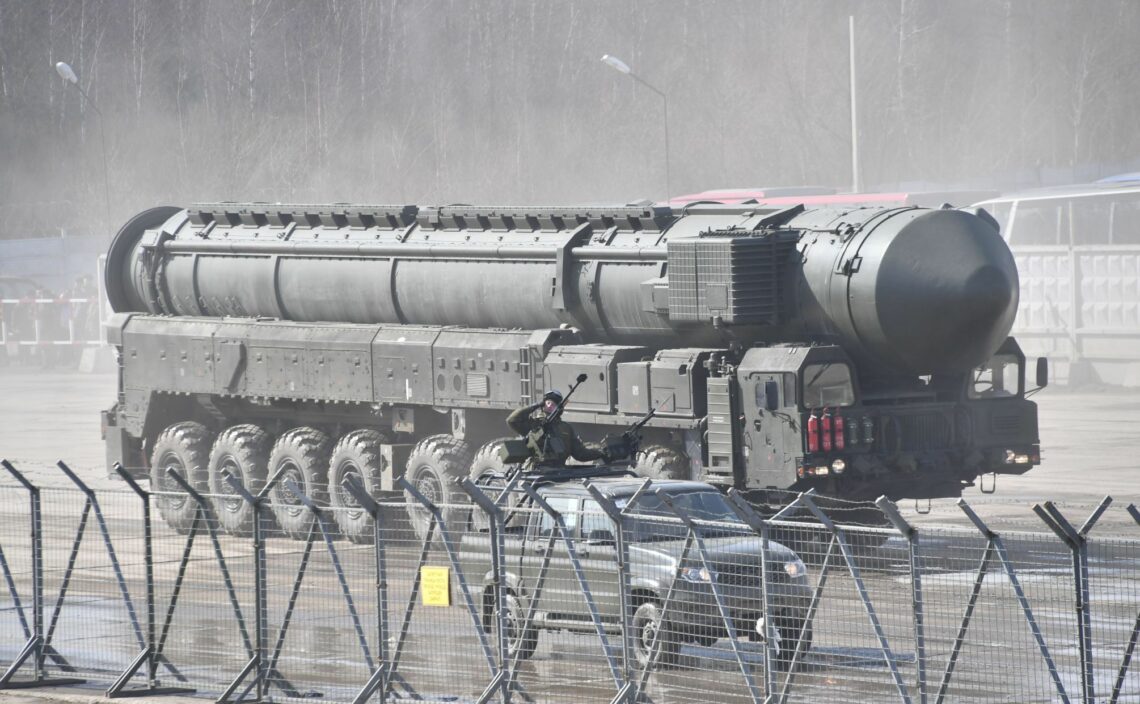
599, 393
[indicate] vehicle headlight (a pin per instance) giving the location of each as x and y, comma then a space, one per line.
696, 574
795, 568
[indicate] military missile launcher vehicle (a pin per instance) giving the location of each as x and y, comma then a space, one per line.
859, 351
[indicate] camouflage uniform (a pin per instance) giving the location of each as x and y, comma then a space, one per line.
550, 443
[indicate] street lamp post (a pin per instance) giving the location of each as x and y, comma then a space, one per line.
621, 67
66, 73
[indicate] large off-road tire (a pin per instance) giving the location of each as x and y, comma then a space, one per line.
184, 447
487, 460
647, 622
243, 451
662, 462
487, 470
302, 455
433, 466
519, 642
356, 455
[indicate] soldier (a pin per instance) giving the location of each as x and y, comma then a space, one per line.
551, 440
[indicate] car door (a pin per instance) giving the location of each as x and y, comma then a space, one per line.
598, 552
561, 596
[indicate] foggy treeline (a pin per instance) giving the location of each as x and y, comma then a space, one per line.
500, 101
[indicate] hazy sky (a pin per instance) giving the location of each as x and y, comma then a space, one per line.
492, 101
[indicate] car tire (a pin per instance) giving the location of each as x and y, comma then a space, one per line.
302, 455
661, 462
243, 451
184, 447
433, 466
789, 629
647, 622
519, 642
357, 455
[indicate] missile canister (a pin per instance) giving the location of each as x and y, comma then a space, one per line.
904, 290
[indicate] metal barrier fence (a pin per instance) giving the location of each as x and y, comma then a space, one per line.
529, 594
49, 321
47, 325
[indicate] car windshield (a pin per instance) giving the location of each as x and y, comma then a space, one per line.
652, 519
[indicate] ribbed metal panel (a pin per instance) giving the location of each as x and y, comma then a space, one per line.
731, 274
925, 431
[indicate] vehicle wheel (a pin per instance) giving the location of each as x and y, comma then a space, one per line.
487, 461
522, 643
185, 448
243, 451
432, 468
646, 623
302, 456
356, 455
487, 470
789, 629
661, 462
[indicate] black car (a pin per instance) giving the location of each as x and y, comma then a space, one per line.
656, 540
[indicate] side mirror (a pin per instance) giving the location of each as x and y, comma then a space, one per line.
1042, 372
771, 395
600, 536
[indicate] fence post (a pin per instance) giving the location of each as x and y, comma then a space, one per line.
256, 663
383, 676
453, 557
36, 647
1078, 545
576, 563
911, 534
504, 678
631, 692
203, 514
861, 588
997, 545
1126, 660
725, 616
149, 655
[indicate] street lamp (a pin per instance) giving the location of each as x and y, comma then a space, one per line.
66, 73
622, 67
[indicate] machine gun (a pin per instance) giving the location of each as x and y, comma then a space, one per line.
626, 445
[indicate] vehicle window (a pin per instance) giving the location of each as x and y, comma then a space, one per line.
1042, 222
568, 507
1000, 211
828, 384
1091, 218
594, 519
653, 520
762, 396
1000, 377
706, 506
1126, 219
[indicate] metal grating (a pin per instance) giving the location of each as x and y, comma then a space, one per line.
927, 431
729, 274
478, 385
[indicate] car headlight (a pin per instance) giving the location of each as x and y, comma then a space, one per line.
795, 568
696, 574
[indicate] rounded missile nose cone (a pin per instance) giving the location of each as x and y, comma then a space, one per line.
945, 293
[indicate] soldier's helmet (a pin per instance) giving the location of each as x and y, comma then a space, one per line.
553, 395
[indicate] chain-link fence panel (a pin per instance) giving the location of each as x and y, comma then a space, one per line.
587, 590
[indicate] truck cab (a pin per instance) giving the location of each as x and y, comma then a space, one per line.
806, 420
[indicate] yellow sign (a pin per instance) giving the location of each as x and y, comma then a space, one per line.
435, 586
